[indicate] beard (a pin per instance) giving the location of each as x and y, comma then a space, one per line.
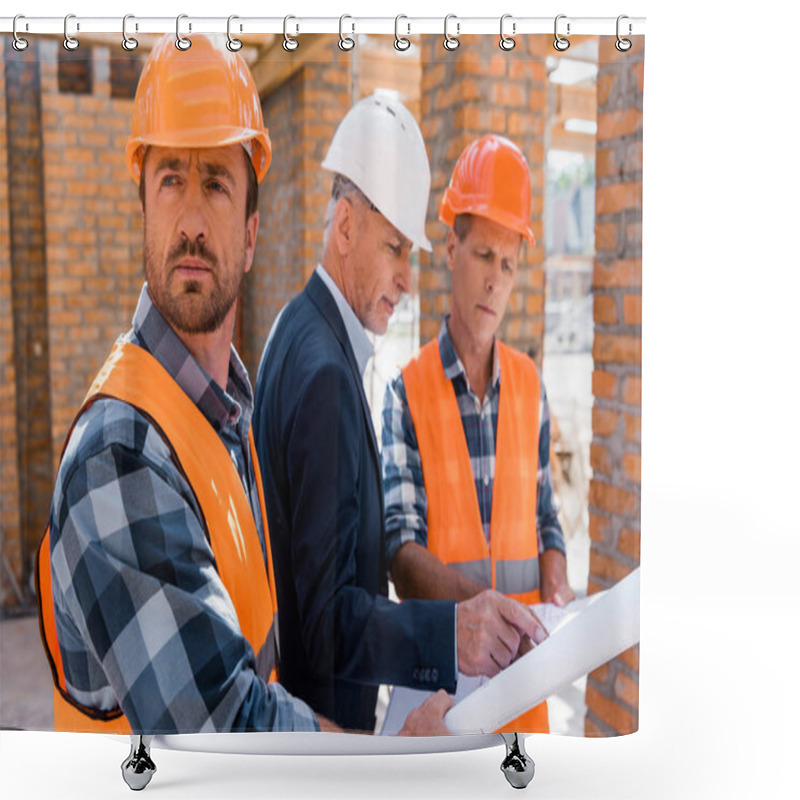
184, 303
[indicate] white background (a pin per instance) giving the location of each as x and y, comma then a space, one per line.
720, 438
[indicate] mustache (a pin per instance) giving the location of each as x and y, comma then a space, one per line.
194, 249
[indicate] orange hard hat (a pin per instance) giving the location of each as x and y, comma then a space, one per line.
201, 97
491, 179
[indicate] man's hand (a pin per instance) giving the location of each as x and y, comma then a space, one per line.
553, 571
490, 628
328, 726
428, 719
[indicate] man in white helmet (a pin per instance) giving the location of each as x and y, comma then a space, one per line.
340, 635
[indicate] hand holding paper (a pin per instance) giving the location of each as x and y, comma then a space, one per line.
490, 627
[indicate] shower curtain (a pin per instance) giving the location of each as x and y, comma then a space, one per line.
71, 255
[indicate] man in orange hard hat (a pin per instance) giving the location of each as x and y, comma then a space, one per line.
157, 589
466, 439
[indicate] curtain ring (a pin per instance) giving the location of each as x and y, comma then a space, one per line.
623, 45
506, 42
19, 44
451, 42
234, 45
181, 42
128, 42
70, 43
290, 44
345, 42
561, 44
400, 42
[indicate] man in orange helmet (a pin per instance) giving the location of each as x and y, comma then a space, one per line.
156, 584
466, 438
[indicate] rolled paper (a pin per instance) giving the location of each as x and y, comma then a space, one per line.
607, 626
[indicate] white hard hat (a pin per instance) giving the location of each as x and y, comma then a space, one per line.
379, 147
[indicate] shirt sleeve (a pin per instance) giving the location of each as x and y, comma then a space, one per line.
405, 501
550, 534
143, 619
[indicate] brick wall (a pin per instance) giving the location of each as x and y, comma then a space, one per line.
9, 480
475, 90
612, 695
30, 377
302, 115
94, 232
70, 231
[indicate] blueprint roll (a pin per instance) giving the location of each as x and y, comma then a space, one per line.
608, 625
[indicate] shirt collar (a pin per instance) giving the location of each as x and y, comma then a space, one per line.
359, 341
221, 407
452, 363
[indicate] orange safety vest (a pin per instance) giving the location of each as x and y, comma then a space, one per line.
133, 376
455, 532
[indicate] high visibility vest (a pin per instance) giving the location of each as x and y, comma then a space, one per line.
510, 563
133, 376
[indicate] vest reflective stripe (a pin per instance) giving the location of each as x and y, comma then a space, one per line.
455, 530
511, 577
133, 376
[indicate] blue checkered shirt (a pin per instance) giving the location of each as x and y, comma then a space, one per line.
144, 622
406, 505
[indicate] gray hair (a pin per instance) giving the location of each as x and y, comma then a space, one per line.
342, 187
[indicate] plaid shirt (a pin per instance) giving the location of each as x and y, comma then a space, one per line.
144, 622
403, 484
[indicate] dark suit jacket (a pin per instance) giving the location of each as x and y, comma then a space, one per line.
339, 635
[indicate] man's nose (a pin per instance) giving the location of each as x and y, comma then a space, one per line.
193, 223
404, 276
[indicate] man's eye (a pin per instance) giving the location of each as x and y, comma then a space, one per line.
395, 248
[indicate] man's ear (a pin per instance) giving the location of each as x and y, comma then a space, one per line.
251, 232
344, 224
450, 248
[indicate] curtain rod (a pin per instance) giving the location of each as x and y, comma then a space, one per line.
74, 25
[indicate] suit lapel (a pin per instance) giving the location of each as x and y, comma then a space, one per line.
321, 297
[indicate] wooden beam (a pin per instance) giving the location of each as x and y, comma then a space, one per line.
275, 66
571, 141
578, 102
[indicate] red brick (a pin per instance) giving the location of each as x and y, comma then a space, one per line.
605, 237
599, 459
615, 349
604, 384
605, 309
592, 730
632, 309
599, 529
629, 543
601, 675
626, 273
618, 123
632, 464
605, 85
632, 390
630, 658
626, 690
534, 303
612, 714
633, 427
618, 197
604, 422
612, 499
